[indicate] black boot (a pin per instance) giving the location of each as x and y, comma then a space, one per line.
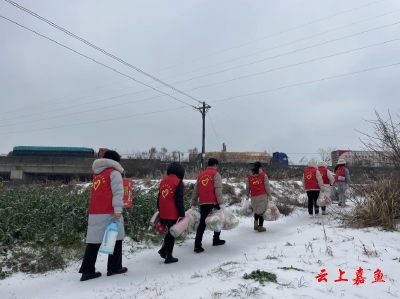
120, 271
170, 259
90, 276
217, 241
161, 252
198, 249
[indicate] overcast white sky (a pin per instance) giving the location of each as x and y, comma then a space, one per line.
153, 35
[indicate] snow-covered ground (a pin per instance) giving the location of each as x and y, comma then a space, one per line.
296, 241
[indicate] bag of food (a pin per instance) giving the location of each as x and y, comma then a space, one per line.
127, 193
334, 196
231, 221
194, 221
347, 193
247, 209
324, 197
215, 221
272, 212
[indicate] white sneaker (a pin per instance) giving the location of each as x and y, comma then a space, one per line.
311, 215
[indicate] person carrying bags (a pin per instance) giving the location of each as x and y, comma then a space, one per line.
312, 183
208, 191
327, 179
342, 178
170, 206
105, 202
257, 186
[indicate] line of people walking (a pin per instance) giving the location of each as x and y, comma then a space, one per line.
318, 178
107, 201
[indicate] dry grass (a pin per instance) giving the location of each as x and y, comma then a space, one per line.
378, 205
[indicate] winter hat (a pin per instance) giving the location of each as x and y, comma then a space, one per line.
341, 161
312, 164
322, 164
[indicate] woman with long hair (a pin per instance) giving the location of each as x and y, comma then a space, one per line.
342, 179
170, 206
257, 186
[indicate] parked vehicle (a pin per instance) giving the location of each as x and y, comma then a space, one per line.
362, 158
48, 151
279, 158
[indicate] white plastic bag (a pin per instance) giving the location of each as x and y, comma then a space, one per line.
324, 197
246, 209
196, 220
231, 221
215, 221
347, 193
272, 212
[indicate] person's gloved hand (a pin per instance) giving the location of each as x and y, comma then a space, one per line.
193, 207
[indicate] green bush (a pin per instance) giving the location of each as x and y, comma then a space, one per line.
40, 221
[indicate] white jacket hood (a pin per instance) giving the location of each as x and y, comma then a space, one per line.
322, 164
312, 164
100, 165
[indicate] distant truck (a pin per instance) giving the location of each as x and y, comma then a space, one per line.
56, 152
362, 158
279, 158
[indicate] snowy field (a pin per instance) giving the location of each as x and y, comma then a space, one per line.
308, 245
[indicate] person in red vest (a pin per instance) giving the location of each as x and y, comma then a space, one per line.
312, 183
208, 190
327, 179
257, 186
342, 179
105, 202
170, 206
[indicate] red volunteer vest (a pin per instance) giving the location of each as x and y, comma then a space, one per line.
310, 179
257, 186
324, 174
168, 209
205, 184
340, 172
101, 199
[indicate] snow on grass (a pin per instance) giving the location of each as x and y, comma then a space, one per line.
295, 249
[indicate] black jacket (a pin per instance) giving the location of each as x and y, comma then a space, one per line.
178, 202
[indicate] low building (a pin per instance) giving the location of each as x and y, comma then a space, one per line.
239, 157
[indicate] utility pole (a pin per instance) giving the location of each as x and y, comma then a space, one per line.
179, 159
203, 110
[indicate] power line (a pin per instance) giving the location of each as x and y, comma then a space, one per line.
83, 55
212, 84
97, 121
99, 49
234, 97
219, 143
38, 105
276, 47
217, 64
308, 82
272, 35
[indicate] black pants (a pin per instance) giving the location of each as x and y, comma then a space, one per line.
169, 240
89, 260
312, 201
204, 211
259, 218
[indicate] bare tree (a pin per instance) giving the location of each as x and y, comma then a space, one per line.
325, 154
385, 140
152, 153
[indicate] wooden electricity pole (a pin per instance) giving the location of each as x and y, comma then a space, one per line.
203, 110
